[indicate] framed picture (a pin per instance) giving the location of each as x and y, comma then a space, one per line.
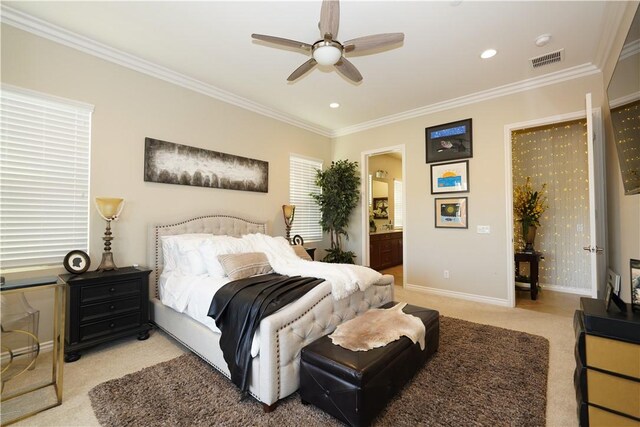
635, 284
450, 177
381, 207
76, 262
450, 141
608, 292
451, 213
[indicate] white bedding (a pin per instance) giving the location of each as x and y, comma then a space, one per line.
192, 295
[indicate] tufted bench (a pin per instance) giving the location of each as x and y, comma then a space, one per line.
354, 386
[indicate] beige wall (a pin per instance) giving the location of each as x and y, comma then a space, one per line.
130, 106
476, 262
623, 212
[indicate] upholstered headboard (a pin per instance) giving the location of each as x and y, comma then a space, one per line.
213, 224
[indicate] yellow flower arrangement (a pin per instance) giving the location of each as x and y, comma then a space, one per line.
529, 205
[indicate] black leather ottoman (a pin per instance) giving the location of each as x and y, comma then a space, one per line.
354, 386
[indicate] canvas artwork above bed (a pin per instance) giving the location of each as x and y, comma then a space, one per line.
190, 267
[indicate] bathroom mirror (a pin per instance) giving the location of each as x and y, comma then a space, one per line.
380, 188
624, 102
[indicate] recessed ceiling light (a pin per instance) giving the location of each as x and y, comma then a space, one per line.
489, 53
543, 40
334, 105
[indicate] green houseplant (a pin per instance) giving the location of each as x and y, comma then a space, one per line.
339, 196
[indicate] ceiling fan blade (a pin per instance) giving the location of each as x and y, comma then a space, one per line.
362, 44
282, 42
302, 69
348, 70
329, 18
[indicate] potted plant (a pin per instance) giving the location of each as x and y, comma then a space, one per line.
338, 198
528, 207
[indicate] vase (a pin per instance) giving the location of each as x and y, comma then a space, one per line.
529, 236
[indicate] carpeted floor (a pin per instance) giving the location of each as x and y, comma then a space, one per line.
481, 376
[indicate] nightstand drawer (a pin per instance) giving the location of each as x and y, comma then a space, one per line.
108, 309
609, 391
110, 326
120, 289
601, 418
613, 356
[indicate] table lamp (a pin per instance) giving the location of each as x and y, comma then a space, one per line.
288, 211
109, 209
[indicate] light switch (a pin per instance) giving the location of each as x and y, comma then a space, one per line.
484, 229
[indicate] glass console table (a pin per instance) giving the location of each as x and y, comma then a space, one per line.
31, 375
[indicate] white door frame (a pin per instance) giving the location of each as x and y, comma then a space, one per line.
599, 182
364, 202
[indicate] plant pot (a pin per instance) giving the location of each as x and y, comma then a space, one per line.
529, 236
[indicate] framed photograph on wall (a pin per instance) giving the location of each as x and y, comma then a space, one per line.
450, 141
450, 177
381, 207
451, 212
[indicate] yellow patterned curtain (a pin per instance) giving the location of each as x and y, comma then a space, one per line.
557, 155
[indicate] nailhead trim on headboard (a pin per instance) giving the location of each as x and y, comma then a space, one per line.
157, 228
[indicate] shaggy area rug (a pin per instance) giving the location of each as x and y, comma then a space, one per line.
481, 376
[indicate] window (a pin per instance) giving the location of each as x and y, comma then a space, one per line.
44, 178
302, 182
397, 203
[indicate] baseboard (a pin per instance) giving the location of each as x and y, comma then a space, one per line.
567, 290
458, 295
44, 347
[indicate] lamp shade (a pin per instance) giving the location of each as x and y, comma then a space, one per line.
288, 211
109, 207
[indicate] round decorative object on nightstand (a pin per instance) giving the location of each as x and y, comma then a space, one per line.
76, 262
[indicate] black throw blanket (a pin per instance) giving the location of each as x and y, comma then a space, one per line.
239, 306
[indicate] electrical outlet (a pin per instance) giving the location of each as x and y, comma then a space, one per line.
484, 229
446, 274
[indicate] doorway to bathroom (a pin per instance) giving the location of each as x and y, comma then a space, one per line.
383, 210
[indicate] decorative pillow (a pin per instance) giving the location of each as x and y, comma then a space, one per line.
212, 248
171, 253
239, 266
301, 252
191, 261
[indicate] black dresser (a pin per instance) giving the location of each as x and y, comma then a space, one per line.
607, 375
103, 306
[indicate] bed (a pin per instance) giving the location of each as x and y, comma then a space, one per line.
275, 369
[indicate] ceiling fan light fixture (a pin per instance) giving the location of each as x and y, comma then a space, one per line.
327, 52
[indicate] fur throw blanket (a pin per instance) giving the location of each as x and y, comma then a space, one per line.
377, 328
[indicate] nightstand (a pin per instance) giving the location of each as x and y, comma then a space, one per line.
104, 306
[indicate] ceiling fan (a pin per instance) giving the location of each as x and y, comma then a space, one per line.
329, 51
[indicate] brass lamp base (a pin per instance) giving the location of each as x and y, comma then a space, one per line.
107, 262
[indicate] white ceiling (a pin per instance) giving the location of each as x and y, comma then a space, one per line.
439, 60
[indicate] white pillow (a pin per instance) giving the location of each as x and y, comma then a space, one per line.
171, 253
191, 261
211, 248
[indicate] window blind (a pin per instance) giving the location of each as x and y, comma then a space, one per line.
398, 204
302, 178
44, 178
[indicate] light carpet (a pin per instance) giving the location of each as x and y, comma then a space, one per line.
481, 376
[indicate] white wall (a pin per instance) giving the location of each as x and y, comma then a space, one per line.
476, 262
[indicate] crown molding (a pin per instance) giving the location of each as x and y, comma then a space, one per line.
65, 37
630, 49
521, 86
614, 14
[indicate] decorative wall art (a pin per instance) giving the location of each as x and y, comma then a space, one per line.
450, 177
381, 207
450, 141
635, 284
451, 213
171, 163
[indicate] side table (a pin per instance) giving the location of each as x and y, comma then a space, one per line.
533, 258
27, 388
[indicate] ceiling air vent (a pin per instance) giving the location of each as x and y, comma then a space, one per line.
547, 58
